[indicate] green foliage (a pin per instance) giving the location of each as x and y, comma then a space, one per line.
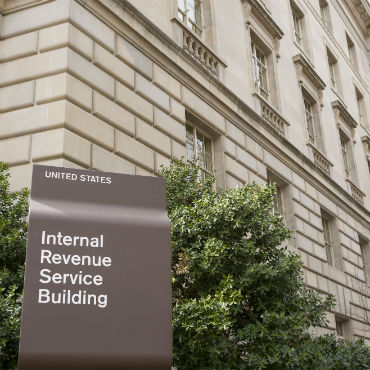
239, 299
13, 234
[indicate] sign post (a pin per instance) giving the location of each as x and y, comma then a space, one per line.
97, 292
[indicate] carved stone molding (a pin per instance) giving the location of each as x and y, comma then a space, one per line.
356, 192
255, 8
125, 11
361, 11
304, 67
335, 42
341, 111
320, 159
272, 116
194, 46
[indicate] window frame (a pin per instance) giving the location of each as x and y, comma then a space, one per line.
313, 132
361, 109
325, 14
345, 328
264, 91
365, 255
335, 80
345, 155
309, 120
351, 51
297, 17
331, 243
328, 240
192, 24
283, 199
195, 132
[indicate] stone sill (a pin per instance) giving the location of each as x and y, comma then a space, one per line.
339, 96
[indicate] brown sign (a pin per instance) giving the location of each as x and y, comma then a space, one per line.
97, 291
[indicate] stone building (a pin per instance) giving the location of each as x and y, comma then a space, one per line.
253, 90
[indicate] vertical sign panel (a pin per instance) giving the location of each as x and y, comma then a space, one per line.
97, 291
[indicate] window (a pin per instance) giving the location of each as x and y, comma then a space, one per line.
199, 151
278, 202
312, 121
333, 71
360, 107
333, 254
328, 239
342, 329
365, 254
298, 25
309, 121
325, 15
344, 145
189, 11
283, 200
259, 64
351, 51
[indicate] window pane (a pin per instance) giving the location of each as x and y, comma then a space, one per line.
259, 71
181, 5
309, 121
344, 146
208, 154
339, 328
201, 161
189, 144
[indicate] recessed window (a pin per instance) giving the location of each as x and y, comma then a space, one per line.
199, 151
365, 255
342, 329
312, 120
344, 145
333, 70
324, 12
278, 202
298, 25
259, 64
360, 107
309, 121
189, 12
351, 51
332, 248
282, 204
328, 239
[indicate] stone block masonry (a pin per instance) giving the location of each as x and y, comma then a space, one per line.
86, 86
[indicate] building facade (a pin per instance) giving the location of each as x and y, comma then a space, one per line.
251, 90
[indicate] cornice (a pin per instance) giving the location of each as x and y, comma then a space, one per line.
304, 67
11, 6
301, 161
361, 12
260, 13
341, 111
336, 43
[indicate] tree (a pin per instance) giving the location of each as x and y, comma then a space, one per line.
13, 235
239, 298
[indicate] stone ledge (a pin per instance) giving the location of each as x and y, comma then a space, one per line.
304, 67
341, 111
320, 159
193, 45
272, 116
357, 194
265, 18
